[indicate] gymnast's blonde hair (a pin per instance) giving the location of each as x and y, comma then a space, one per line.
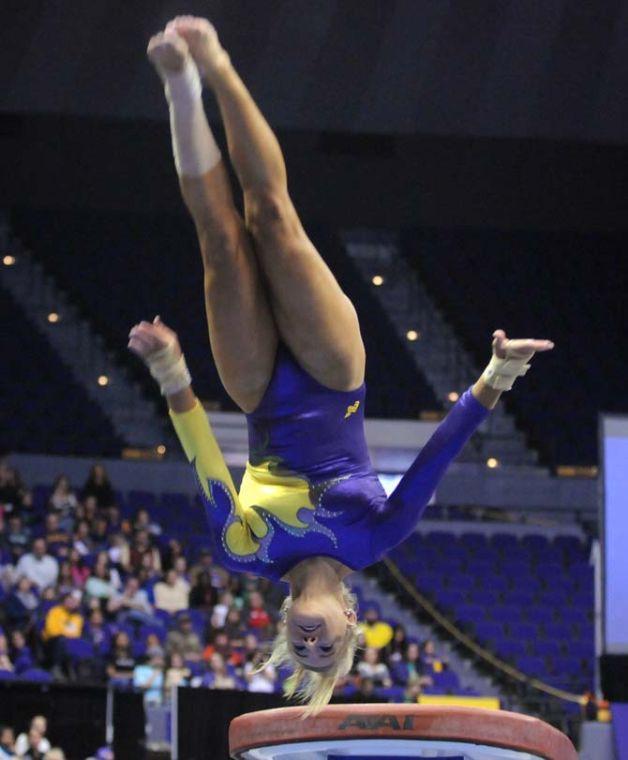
311, 687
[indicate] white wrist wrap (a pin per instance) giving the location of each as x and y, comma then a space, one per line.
193, 145
502, 373
171, 373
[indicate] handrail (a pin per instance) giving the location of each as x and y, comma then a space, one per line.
469, 643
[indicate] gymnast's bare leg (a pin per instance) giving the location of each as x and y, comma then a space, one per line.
314, 317
242, 329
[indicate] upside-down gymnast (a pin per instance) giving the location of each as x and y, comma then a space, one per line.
287, 345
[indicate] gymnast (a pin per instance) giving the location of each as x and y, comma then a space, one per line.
287, 345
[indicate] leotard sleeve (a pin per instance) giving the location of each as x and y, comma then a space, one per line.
405, 506
225, 514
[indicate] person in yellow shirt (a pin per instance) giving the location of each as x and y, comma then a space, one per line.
377, 633
63, 621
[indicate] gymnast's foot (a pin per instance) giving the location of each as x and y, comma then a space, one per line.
168, 53
204, 45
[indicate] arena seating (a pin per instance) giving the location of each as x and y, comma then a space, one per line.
530, 601
45, 401
537, 284
177, 517
123, 268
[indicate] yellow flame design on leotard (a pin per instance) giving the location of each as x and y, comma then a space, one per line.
352, 409
266, 490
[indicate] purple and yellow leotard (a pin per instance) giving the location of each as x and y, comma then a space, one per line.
309, 488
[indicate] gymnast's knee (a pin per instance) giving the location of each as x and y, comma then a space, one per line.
270, 214
220, 245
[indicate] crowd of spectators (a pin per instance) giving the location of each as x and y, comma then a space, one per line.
92, 594
31, 744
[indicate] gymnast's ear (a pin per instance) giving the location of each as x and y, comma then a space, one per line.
352, 618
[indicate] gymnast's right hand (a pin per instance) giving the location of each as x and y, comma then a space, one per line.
146, 338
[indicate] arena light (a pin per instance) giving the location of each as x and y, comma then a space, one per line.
8, 260
377, 280
161, 449
53, 317
492, 463
103, 380
413, 335
453, 396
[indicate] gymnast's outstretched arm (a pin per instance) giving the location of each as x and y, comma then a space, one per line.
406, 504
158, 346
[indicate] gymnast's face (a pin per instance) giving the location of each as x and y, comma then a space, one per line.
316, 629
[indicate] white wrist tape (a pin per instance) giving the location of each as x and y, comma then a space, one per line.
170, 372
502, 373
193, 145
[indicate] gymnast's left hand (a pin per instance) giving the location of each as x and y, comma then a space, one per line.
146, 338
518, 348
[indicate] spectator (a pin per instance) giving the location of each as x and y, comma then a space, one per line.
150, 678
181, 568
395, 650
430, 659
78, 569
132, 605
7, 743
219, 677
143, 554
98, 633
38, 724
153, 646
184, 640
21, 604
88, 510
115, 520
121, 660
100, 532
57, 539
370, 667
259, 680
257, 618
173, 551
235, 628
14, 495
17, 537
219, 614
177, 673
203, 595
32, 748
82, 540
119, 552
64, 502
98, 485
172, 594
21, 653
377, 633
410, 670
38, 566
219, 643
219, 576
143, 522
63, 621
65, 581
104, 582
